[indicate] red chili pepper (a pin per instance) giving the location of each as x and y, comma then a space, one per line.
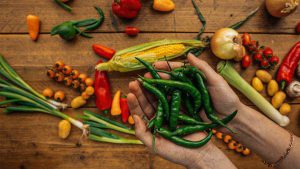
298, 28
103, 51
127, 9
288, 66
124, 109
246, 61
102, 90
131, 31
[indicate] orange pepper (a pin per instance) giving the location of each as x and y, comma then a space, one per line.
239, 148
227, 138
130, 120
33, 24
115, 107
246, 151
232, 145
219, 135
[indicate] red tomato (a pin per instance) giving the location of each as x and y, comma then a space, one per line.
131, 31
298, 28
274, 60
246, 39
268, 52
253, 46
246, 61
264, 63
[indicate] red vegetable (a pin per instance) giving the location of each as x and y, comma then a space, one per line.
298, 28
246, 39
253, 46
102, 90
127, 9
288, 66
264, 63
258, 55
268, 52
246, 61
131, 31
124, 109
274, 60
103, 51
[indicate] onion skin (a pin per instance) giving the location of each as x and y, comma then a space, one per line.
225, 45
281, 8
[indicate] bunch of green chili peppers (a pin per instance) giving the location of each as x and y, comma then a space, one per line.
186, 88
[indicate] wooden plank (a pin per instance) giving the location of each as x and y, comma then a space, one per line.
30, 141
217, 13
27, 56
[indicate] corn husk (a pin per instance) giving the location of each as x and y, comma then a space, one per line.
124, 60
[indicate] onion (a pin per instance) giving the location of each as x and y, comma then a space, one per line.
281, 8
226, 44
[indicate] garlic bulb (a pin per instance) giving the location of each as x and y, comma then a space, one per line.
293, 90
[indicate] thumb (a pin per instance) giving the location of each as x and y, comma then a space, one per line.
211, 75
141, 131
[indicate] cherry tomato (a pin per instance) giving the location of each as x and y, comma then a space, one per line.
246, 61
246, 39
258, 57
268, 52
274, 60
298, 28
253, 46
264, 63
131, 31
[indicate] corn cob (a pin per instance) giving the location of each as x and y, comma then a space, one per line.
124, 60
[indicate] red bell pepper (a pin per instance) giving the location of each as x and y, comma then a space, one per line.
131, 31
288, 66
124, 109
102, 90
103, 51
127, 9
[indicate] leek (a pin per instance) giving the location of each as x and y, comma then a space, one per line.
226, 70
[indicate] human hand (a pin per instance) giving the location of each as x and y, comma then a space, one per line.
142, 104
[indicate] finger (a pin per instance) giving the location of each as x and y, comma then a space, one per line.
141, 131
163, 65
211, 75
162, 75
134, 105
136, 89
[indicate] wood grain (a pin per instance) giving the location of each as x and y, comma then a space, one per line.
217, 13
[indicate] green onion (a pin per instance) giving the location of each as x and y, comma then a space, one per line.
241, 23
226, 70
113, 126
111, 140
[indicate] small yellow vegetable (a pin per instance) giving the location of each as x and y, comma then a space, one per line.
48, 93
163, 5
272, 87
85, 96
264, 76
257, 84
90, 90
278, 99
78, 102
115, 106
64, 128
59, 96
130, 120
285, 109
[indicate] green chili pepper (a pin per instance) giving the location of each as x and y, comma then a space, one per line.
207, 105
69, 29
158, 122
189, 120
187, 104
175, 108
179, 76
185, 130
63, 5
182, 142
160, 97
191, 90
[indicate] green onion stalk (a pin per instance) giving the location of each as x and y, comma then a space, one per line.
226, 70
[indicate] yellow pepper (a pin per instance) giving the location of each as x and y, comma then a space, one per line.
115, 107
163, 5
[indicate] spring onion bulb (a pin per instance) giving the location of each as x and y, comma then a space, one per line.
226, 44
226, 70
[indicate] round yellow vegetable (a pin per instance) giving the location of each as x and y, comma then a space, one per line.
278, 99
257, 84
272, 87
78, 102
264, 76
64, 128
285, 109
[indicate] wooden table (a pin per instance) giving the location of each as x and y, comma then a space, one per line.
29, 140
